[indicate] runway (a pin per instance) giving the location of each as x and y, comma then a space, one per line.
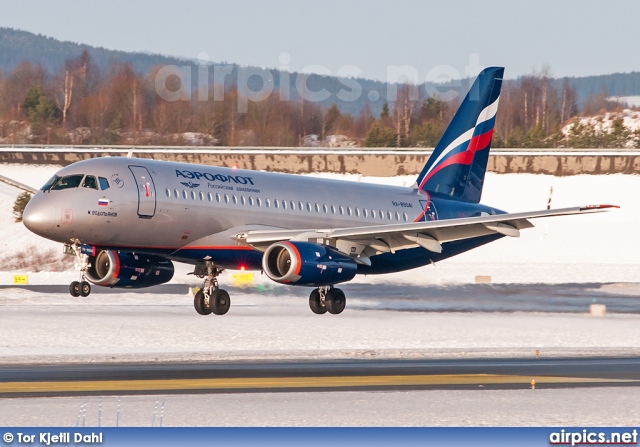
74, 380
569, 297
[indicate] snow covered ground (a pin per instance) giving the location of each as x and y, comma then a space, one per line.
581, 407
632, 101
46, 327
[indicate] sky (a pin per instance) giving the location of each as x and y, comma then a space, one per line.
438, 39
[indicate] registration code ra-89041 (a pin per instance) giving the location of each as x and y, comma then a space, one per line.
402, 204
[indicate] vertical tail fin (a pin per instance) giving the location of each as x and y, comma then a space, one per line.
458, 163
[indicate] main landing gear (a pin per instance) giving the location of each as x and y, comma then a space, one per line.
210, 299
82, 287
327, 299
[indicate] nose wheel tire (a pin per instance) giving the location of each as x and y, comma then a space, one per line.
316, 304
220, 302
335, 301
74, 288
199, 303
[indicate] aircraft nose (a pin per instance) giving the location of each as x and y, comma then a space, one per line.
38, 217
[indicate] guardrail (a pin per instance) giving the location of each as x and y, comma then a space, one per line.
376, 162
18, 185
291, 149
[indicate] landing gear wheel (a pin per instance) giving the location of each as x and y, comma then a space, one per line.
335, 301
74, 288
316, 304
85, 288
200, 305
220, 302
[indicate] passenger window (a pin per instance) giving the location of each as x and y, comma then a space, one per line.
250, 201
405, 217
218, 198
209, 197
373, 214
284, 204
276, 203
201, 196
357, 212
341, 209
259, 201
301, 206
176, 193
168, 193
293, 206
70, 181
226, 198
243, 200
90, 182
193, 195
267, 203
308, 207
104, 184
333, 209
389, 215
366, 213
381, 214
235, 200
398, 216
317, 208
325, 209
184, 194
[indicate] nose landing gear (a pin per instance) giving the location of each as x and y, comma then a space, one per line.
82, 287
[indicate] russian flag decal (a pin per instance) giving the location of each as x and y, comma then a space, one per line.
103, 202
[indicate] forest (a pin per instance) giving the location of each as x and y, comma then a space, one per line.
83, 102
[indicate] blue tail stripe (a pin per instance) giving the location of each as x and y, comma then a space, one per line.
462, 178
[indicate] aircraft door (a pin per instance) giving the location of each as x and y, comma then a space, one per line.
430, 211
146, 192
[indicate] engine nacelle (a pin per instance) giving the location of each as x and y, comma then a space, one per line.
122, 269
307, 264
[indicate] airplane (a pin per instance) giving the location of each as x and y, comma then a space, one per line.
128, 219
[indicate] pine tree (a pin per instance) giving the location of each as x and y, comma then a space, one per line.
20, 204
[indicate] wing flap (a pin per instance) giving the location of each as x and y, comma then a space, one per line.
366, 240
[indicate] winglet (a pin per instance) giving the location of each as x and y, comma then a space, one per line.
597, 207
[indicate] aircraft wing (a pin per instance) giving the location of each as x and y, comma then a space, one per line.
364, 241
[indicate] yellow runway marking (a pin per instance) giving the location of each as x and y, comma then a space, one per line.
286, 383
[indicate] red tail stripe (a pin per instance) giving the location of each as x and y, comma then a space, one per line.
476, 143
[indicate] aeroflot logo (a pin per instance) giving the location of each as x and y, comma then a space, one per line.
215, 177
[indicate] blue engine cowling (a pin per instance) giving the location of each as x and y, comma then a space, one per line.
122, 269
307, 264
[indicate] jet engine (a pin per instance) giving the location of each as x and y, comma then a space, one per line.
123, 269
307, 264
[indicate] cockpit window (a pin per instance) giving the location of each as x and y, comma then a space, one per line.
104, 183
90, 182
47, 186
70, 181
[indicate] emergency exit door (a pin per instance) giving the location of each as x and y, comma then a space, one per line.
146, 192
